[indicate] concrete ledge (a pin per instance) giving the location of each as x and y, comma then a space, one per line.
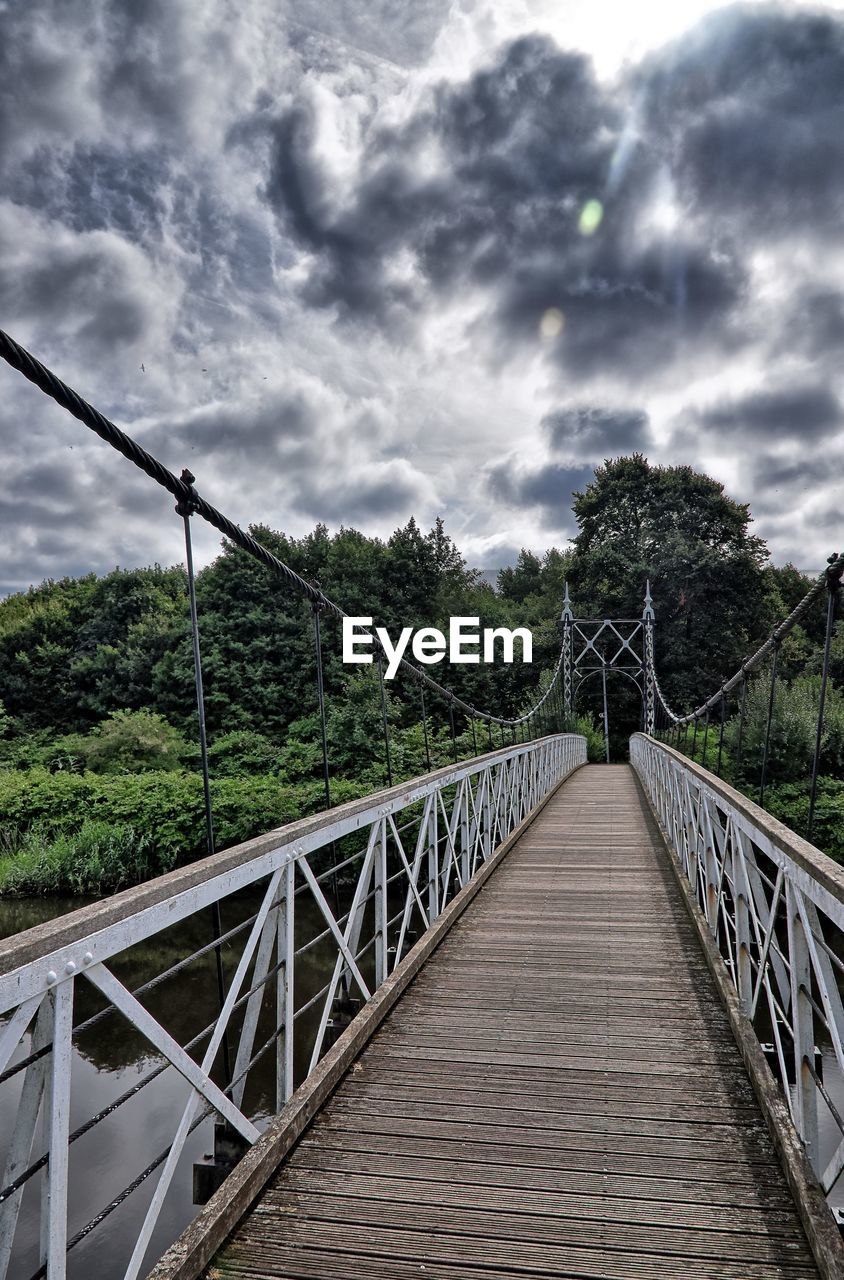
199, 1242
815, 1214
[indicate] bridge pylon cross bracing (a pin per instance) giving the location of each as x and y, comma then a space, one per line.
595, 646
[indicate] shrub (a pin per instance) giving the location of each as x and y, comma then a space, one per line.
594, 735
793, 730
122, 828
790, 803
132, 741
100, 857
242, 753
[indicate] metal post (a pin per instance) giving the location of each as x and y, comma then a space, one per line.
606, 715
721, 734
833, 585
489, 733
764, 777
705, 737
742, 713
650, 678
326, 779
567, 619
802, 1026
385, 723
425, 728
184, 509
694, 738
474, 737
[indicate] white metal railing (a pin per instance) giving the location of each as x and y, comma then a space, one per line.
414, 847
774, 905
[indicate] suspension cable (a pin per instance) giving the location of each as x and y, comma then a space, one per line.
831, 574
186, 495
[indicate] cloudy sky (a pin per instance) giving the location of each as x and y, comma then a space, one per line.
358, 260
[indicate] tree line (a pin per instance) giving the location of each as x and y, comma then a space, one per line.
98, 756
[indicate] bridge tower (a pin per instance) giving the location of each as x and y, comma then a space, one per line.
594, 646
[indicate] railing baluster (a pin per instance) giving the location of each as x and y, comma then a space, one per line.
285, 994
802, 1025
57, 1108
382, 913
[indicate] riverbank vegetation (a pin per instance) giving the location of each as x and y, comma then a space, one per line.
99, 782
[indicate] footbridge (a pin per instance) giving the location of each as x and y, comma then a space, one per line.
523, 1015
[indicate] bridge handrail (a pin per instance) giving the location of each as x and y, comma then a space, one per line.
208, 879
774, 906
452, 821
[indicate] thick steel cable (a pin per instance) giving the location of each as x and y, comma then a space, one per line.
833, 572
48, 382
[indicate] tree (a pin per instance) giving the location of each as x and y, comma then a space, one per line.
677, 527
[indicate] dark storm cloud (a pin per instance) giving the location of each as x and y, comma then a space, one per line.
92, 289
283, 424
391, 493
549, 487
794, 413
522, 148
797, 416
597, 432
748, 113
815, 325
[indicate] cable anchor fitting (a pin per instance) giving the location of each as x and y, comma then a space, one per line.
187, 505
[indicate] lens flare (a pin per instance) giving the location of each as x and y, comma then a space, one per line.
591, 217
552, 323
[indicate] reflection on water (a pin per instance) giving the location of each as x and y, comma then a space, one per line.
112, 1056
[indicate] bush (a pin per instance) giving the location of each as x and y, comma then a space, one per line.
242, 753
100, 857
793, 731
790, 803
705, 751
131, 742
594, 735
51, 824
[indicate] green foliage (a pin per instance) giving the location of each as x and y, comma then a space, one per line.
97, 711
678, 528
594, 735
42, 814
98, 858
244, 753
793, 730
132, 741
71, 651
790, 803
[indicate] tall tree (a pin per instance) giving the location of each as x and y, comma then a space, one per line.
712, 596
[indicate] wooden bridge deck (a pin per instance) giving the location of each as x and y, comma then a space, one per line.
557, 1094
